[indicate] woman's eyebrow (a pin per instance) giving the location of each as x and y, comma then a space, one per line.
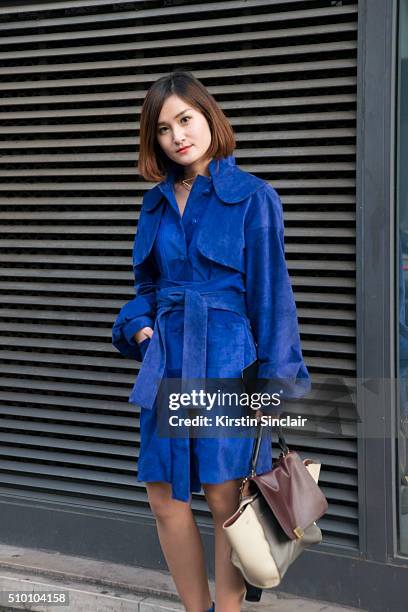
178, 115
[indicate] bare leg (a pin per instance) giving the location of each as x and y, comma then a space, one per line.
181, 545
229, 584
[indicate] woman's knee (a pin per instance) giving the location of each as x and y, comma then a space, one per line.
222, 498
161, 503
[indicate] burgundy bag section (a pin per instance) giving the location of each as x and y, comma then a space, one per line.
291, 493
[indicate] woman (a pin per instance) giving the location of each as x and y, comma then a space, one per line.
212, 295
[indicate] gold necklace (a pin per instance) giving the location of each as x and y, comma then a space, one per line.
186, 184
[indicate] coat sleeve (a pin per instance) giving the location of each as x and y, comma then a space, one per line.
270, 301
138, 312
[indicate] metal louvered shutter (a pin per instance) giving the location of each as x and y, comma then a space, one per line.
73, 76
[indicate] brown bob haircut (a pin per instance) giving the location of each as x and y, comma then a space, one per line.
153, 164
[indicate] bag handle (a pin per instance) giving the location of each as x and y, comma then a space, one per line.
257, 444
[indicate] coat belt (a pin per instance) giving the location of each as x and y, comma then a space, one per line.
195, 303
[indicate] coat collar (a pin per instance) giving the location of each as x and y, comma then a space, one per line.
231, 184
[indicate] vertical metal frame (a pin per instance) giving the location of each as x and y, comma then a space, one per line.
376, 274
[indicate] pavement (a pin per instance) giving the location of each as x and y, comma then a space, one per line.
87, 585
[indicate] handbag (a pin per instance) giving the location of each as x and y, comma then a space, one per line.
260, 546
289, 488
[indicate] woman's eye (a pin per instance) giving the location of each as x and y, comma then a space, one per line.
163, 129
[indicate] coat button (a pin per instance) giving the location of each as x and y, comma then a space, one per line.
194, 220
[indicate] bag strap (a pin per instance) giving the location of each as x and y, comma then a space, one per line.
257, 444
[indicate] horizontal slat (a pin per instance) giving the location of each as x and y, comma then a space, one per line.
111, 359
219, 56
315, 444
333, 314
341, 282
300, 134
59, 360
66, 315
208, 41
141, 13
347, 512
302, 265
129, 490
70, 385
329, 330
186, 26
96, 433
75, 402
301, 199
276, 119
137, 508
112, 449
64, 327
302, 151
321, 282
76, 460
322, 299
341, 543
309, 101
75, 230
134, 79
320, 404
248, 89
105, 349
338, 527
330, 365
114, 172
79, 418
21, 9
94, 217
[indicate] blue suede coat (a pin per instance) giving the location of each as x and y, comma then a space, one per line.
214, 286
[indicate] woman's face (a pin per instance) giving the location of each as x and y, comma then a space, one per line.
183, 133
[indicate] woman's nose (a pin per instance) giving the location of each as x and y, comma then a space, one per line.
178, 136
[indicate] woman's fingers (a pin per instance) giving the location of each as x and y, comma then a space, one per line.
142, 334
148, 331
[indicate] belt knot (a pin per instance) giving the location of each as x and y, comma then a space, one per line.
195, 304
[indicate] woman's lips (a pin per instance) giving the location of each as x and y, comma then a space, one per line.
184, 149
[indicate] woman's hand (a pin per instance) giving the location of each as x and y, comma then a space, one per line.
142, 334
